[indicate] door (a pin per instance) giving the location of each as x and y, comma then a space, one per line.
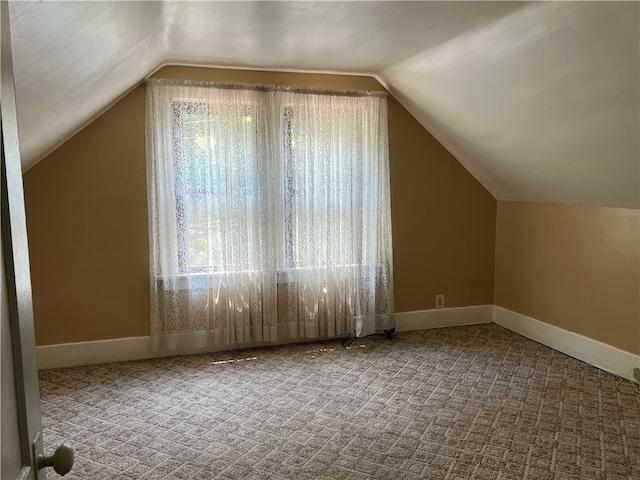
21, 423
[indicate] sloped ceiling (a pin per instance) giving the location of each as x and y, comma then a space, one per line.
539, 101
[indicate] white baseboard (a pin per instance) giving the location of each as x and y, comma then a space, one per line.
443, 317
593, 352
132, 348
139, 348
89, 353
598, 354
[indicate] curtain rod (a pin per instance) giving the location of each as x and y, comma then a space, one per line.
266, 88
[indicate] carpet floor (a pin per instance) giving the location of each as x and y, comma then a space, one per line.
474, 402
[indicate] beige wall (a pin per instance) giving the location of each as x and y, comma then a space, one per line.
574, 267
87, 218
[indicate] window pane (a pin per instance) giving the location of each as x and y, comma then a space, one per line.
321, 161
216, 178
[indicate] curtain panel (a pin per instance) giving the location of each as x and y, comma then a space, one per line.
269, 213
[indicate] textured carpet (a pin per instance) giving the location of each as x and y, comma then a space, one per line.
476, 402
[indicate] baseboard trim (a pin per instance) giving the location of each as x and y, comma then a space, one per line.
88, 353
139, 348
132, 348
443, 317
598, 354
593, 352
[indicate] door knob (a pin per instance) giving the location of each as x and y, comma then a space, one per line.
61, 460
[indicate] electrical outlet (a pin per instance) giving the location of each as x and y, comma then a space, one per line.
439, 301
636, 374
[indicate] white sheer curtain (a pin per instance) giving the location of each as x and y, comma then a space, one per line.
268, 213
337, 188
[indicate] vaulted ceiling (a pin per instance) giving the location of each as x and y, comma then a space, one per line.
539, 101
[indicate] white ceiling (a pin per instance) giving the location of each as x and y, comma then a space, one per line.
539, 101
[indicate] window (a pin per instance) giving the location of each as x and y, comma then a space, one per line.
318, 189
211, 143
255, 187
